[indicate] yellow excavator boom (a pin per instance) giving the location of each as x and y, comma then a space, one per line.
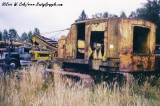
48, 43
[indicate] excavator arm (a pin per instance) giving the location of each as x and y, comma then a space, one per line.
48, 43
51, 48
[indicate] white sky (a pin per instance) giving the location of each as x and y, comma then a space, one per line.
48, 19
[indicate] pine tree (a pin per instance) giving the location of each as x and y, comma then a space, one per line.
5, 35
151, 11
24, 37
29, 36
13, 34
1, 36
83, 16
133, 15
105, 15
123, 15
36, 31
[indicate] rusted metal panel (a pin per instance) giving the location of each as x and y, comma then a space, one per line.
105, 55
130, 61
98, 26
87, 41
62, 47
112, 49
140, 63
72, 42
125, 46
67, 46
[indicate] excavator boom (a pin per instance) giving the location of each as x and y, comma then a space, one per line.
39, 53
48, 43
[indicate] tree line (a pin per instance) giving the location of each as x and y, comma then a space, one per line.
84, 16
12, 34
149, 11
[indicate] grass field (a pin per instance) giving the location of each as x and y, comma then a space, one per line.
29, 89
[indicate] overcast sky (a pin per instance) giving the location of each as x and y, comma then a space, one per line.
49, 19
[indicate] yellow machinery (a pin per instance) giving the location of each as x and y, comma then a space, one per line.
109, 45
43, 48
40, 55
112, 44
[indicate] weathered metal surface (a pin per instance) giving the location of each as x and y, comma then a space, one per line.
114, 38
130, 61
67, 46
84, 80
62, 47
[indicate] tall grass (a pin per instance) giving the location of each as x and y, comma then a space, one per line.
29, 89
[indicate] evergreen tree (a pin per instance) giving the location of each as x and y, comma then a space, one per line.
36, 31
151, 11
133, 15
83, 16
24, 37
1, 36
105, 15
123, 15
29, 36
13, 34
5, 35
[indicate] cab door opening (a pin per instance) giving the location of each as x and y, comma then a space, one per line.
140, 40
80, 41
97, 44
